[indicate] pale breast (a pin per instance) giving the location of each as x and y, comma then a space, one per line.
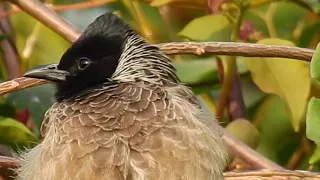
130, 132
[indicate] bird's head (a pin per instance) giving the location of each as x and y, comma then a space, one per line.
107, 52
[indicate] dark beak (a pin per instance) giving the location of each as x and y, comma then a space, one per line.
48, 72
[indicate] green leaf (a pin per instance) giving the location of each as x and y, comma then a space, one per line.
313, 120
286, 25
315, 156
288, 78
273, 121
252, 96
207, 28
315, 64
309, 34
15, 135
196, 71
272, 20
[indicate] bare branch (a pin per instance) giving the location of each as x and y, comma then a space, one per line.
8, 162
239, 150
248, 155
237, 49
272, 174
214, 48
48, 17
60, 26
58, 8
6, 166
11, 163
19, 84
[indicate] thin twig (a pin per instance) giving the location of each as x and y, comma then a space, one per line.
48, 17
236, 107
300, 153
59, 8
235, 103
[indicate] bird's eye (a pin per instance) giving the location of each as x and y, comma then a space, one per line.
83, 62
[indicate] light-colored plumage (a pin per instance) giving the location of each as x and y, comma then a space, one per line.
146, 126
132, 132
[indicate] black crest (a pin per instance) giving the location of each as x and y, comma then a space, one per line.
99, 47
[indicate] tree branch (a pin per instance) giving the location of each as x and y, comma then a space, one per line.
58, 8
237, 49
198, 48
11, 163
8, 162
60, 26
272, 174
19, 84
243, 152
248, 155
48, 17
6, 166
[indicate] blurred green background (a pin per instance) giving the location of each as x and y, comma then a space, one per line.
276, 91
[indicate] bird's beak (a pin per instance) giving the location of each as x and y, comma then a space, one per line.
48, 72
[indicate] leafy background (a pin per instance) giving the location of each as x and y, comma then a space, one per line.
279, 123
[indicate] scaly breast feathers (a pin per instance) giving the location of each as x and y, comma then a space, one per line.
129, 133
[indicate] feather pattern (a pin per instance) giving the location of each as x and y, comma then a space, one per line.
141, 61
137, 133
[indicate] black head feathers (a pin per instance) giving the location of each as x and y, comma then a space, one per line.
107, 52
93, 58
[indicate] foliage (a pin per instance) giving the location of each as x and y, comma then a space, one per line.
276, 91
313, 116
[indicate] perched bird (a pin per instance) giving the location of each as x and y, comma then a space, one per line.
121, 114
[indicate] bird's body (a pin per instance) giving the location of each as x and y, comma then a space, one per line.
122, 125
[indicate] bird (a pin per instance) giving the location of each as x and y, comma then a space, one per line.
121, 113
